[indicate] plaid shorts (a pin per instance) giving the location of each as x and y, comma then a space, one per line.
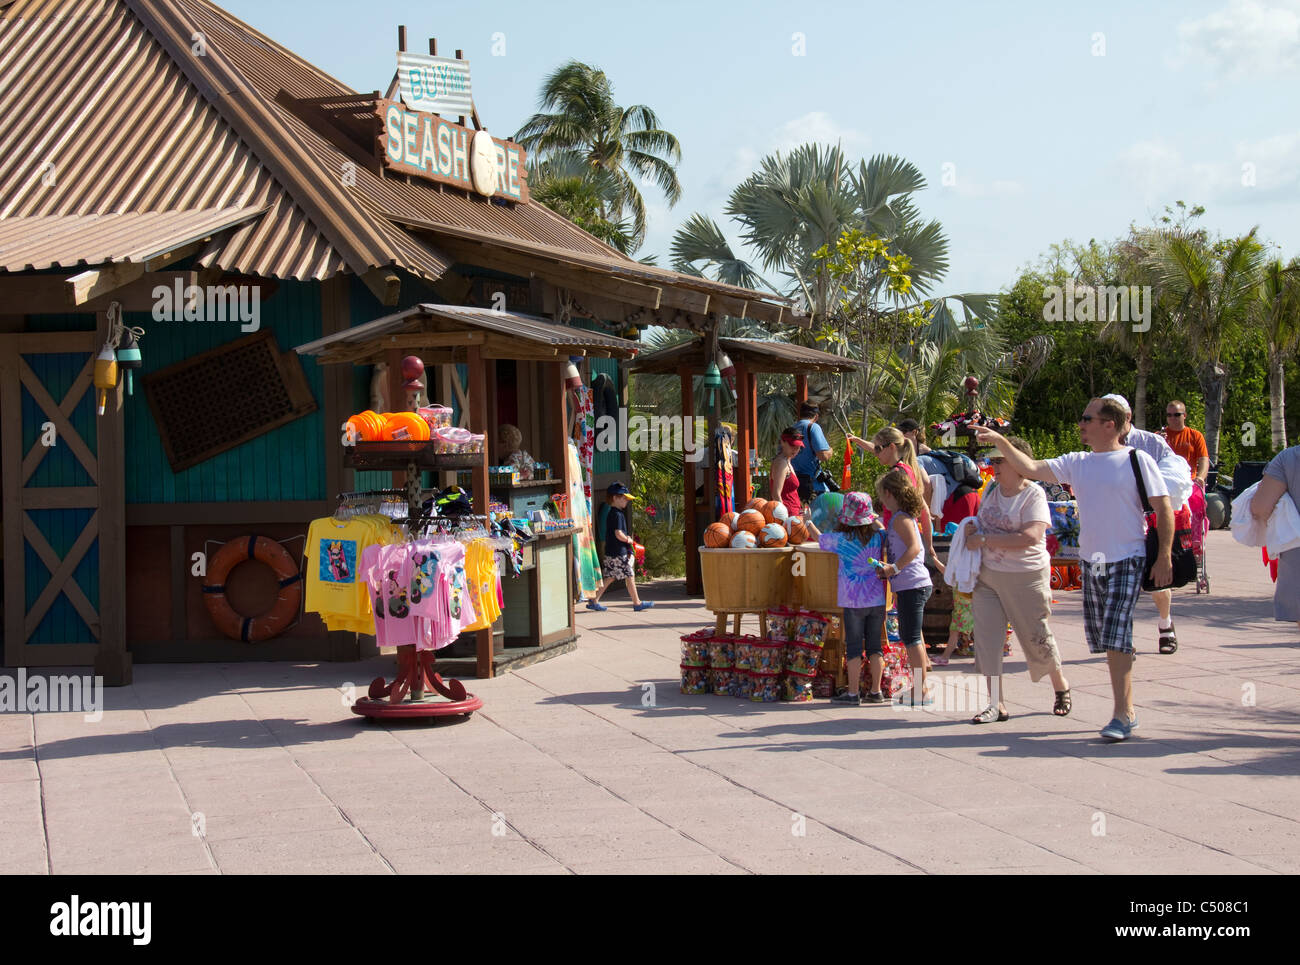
618, 567
1110, 592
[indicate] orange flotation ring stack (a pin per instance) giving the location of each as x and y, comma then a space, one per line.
287, 604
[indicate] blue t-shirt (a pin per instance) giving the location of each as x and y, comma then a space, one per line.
615, 520
805, 463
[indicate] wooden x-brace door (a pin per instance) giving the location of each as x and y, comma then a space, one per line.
64, 513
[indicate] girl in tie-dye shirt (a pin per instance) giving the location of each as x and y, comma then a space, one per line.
858, 541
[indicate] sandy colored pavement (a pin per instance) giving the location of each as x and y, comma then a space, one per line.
579, 765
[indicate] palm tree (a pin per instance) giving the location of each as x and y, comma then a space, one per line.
580, 119
1278, 312
583, 196
1211, 289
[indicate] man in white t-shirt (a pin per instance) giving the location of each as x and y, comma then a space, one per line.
1112, 538
1178, 480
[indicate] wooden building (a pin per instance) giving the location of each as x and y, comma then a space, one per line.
147, 146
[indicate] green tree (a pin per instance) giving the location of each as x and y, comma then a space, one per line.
1210, 287
1278, 311
581, 125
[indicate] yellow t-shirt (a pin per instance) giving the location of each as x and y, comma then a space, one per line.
334, 587
481, 575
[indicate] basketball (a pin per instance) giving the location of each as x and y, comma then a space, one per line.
798, 531
751, 521
773, 534
743, 540
757, 502
732, 520
775, 512
718, 534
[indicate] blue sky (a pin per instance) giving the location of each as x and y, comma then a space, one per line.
1058, 121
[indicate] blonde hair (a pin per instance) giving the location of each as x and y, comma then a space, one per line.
890, 436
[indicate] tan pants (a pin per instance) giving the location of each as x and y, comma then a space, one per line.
1025, 601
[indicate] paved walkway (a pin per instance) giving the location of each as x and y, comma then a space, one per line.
566, 769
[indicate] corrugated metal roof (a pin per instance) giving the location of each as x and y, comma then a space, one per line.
759, 355
516, 325
96, 118
67, 240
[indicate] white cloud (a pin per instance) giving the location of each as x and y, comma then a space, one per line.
1246, 38
1254, 171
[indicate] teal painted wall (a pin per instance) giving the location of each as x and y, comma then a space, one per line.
287, 463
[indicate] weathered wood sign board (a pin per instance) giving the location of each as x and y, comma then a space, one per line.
426, 146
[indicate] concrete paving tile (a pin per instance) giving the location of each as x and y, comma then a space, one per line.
247, 824
676, 865
496, 856
169, 855
661, 843
336, 852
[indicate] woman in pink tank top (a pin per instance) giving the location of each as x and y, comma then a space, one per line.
784, 481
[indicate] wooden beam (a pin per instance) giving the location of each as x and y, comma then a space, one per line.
523, 266
478, 422
67, 434
113, 661
746, 434
162, 260
691, 536
385, 284
61, 575
47, 294
87, 285
685, 299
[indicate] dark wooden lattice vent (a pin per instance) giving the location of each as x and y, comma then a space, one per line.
222, 398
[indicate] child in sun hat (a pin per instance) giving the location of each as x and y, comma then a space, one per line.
618, 563
859, 543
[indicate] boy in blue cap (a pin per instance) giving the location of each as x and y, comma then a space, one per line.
619, 563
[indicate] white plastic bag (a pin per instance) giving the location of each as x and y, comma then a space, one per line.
1281, 532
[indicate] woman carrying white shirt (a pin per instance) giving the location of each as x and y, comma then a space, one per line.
1014, 584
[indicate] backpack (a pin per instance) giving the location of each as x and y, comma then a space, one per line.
960, 469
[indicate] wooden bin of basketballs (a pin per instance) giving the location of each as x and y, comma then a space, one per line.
745, 561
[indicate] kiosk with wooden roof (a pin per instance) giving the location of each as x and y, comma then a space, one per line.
750, 357
152, 146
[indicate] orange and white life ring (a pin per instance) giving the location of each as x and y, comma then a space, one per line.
287, 604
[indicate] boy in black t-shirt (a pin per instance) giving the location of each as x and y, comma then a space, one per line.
619, 562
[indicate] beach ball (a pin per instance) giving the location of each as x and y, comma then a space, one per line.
743, 540
773, 534
824, 510
751, 521
718, 534
775, 512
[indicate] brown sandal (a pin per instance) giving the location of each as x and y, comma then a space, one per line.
1063, 703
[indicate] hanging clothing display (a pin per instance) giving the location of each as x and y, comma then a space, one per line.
586, 558
724, 460
366, 575
586, 432
334, 553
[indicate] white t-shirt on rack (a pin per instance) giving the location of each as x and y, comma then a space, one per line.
1111, 520
1001, 514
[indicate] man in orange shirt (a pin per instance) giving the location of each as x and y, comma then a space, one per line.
1187, 442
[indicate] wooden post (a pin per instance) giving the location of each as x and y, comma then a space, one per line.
478, 422
396, 398
747, 434
751, 403
694, 583
112, 660
710, 345
800, 389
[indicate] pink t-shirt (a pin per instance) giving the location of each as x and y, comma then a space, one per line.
387, 570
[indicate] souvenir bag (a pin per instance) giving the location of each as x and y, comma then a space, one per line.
1184, 559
